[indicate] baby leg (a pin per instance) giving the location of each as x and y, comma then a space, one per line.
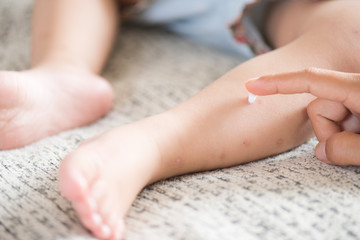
62, 90
214, 129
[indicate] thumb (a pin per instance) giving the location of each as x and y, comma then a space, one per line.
340, 149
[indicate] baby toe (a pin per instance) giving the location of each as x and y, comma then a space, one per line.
119, 230
102, 232
93, 222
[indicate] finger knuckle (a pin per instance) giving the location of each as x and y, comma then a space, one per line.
312, 71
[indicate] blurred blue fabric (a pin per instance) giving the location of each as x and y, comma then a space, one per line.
205, 21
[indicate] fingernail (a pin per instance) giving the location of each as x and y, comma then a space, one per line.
321, 153
252, 98
251, 82
253, 79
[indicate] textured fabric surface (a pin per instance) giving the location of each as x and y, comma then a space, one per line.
289, 196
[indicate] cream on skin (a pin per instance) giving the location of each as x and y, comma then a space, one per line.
251, 98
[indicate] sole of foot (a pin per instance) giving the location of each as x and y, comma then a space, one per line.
39, 103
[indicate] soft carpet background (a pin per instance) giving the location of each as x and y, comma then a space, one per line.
290, 196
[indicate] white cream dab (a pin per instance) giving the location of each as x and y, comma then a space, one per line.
252, 98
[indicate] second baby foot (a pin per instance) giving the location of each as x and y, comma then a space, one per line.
38, 103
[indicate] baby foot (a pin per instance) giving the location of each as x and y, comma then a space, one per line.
38, 103
104, 175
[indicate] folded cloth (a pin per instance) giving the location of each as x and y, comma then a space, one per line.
227, 24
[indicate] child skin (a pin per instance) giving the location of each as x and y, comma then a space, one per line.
334, 114
64, 74
216, 128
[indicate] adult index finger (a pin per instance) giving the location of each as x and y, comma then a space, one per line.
331, 85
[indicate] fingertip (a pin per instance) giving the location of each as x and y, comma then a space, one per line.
320, 152
261, 86
249, 84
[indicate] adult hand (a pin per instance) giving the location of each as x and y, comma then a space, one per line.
334, 114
